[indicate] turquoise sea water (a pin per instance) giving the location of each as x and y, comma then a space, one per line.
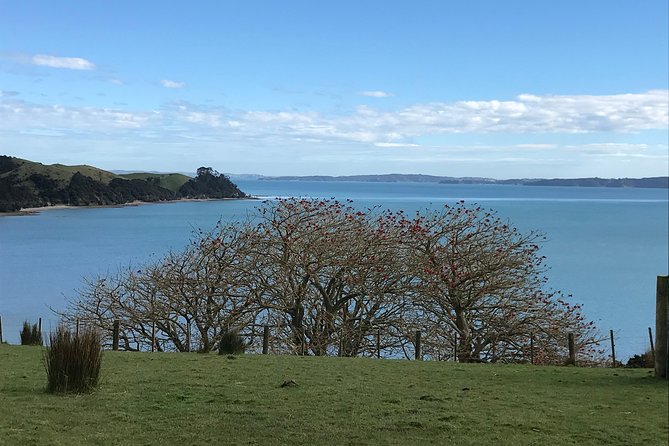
605, 246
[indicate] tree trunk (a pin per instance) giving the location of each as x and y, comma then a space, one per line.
464, 342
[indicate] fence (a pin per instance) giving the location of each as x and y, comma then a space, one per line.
644, 342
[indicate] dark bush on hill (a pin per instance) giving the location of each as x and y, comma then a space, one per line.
642, 361
139, 190
7, 164
30, 334
210, 184
48, 189
14, 195
85, 191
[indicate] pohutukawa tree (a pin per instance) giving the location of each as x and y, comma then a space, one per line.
482, 290
332, 279
184, 302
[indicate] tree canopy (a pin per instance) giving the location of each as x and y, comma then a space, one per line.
210, 184
331, 279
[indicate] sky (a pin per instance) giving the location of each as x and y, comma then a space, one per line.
513, 89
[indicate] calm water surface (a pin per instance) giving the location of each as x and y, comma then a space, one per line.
605, 246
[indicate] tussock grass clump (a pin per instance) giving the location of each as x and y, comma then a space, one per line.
232, 343
73, 361
30, 334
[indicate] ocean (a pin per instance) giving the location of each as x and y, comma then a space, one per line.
605, 245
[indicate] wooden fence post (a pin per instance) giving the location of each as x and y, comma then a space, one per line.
613, 349
572, 349
265, 339
652, 345
661, 321
419, 357
39, 327
532, 348
0, 329
153, 336
340, 347
188, 335
304, 342
455, 348
115, 334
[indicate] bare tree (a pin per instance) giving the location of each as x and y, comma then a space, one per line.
331, 279
329, 274
482, 289
184, 301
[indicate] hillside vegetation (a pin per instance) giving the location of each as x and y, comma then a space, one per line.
177, 398
169, 181
26, 184
22, 170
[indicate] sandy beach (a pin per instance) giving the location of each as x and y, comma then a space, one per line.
37, 210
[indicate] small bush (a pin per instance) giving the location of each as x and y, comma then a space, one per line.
30, 334
641, 361
232, 343
73, 361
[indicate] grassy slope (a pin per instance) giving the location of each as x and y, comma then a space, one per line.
171, 181
63, 173
164, 398
97, 174
60, 172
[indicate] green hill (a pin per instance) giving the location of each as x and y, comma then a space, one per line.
170, 181
28, 184
193, 398
57, 172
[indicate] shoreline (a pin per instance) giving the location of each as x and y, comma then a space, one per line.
37, 210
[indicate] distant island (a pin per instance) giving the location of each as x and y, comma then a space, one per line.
652, 182
27, 184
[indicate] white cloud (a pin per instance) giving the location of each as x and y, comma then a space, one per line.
376, 94
22, 116
172, 84
207, 119
394, 144
70, 63
608, 147
625, 113
536, 146
401, 128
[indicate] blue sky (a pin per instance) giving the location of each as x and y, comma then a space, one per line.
477, 88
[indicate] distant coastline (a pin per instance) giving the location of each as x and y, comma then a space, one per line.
28, 186
648, 182
37, 210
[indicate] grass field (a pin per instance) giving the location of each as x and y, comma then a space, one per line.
194, 399
171, 181
62, 174
59, 172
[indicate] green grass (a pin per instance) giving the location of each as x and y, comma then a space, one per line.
62, 174
171, 181
97, 174
59, 172
165, 398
